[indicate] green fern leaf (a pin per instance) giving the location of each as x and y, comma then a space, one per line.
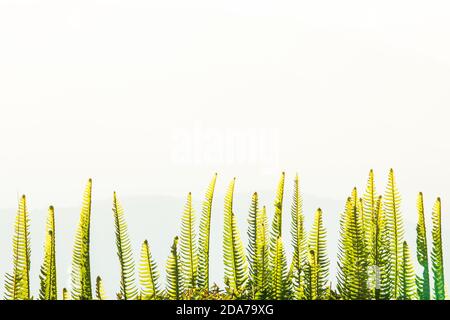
299, 240
236, 268
422, 281
100, 290
262, 275
280, 285
395, 232
81, 268
352, 256
318, 245
173, 276
148, 274
48, 289
204, 237
252, 234
17, 285
188, 247
407, 290
437, 259
128, 290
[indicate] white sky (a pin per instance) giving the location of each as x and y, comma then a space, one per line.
330, 89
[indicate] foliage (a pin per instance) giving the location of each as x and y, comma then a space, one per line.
373, 262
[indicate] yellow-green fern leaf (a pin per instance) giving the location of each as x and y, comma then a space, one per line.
100, 290
407, 289
370, 198
148, 274
299, 240
263, 277
236, 268
437, 259
173, 276
280, 285
352, 256
81, 268
188, 246
276, 231
204, 237
128, 290
17, 284
310, 274
318, 244
423, 280
252, 234
394, 231
65, 294
48, 289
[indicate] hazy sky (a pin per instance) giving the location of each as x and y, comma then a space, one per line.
152, 97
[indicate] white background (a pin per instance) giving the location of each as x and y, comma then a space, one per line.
103, 89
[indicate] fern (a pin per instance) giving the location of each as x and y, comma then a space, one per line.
395, 232
100, 290
204, 237
81, 269
48, 289
317, 244
173, 276
311, 281
407, 289
280, 285
148, 274
252, 234
422, 281
65, 294
188, 247
128, 290
299, 240
276, 231
352, 257
236, 272
437, 259
17, 284
369, 213
380, 255
262, 276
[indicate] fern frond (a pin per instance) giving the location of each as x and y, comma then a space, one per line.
128, 288
148, 274
173, 276
276, 231
236, 268
318, 245
437, 259
380, 255
188, 247
81, 268
407, 290
394, 230
280, 285
65, 294
252, 234
100, 290
370, 198
310, 274
299, 239
204, 237
48, 289
263, 276
422, 281
352, 256
17, 285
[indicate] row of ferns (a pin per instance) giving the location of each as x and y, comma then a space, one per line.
374, 261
